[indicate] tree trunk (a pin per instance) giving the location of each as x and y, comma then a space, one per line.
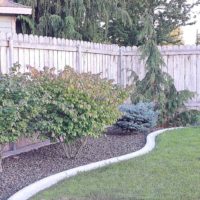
83, 143
66, 150
68, 147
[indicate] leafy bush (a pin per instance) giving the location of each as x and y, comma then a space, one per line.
15, 108
64, 107
186, 118
167, 99
75, 106
140, 117
198, 120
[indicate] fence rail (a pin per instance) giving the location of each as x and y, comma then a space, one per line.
112, 61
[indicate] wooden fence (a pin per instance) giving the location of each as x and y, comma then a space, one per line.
114, 62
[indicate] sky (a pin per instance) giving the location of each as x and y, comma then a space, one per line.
189, 32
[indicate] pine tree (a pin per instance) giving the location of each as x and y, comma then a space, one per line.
73, 19
157, 86
167, 16
112, 21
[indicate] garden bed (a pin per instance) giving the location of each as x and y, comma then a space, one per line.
171, 171
22, 170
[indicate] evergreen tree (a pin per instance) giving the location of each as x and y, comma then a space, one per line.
167, 16
72, 19
112, 21
157, 86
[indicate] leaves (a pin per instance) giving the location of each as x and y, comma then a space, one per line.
71, 19
16, 95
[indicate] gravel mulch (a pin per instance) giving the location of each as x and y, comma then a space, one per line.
22, 170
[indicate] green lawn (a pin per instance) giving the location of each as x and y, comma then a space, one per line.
171, 171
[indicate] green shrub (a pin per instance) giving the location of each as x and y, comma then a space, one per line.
140, 117
64, 107
15, 111
198, 120
186, 118
168, 100
75, 106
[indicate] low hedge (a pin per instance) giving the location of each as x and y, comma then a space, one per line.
63, 106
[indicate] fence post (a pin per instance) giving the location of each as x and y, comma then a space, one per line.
122, 69
79, 59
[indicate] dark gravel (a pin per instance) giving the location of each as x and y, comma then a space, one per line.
22, 170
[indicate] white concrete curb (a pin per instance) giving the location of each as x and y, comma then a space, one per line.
45, 183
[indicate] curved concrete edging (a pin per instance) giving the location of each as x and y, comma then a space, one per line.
45, 183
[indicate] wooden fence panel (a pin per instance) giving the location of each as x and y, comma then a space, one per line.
179, 72
112, 61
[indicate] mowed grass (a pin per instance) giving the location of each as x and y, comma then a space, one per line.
170, 171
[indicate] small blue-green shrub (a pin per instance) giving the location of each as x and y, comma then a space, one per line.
138, 118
